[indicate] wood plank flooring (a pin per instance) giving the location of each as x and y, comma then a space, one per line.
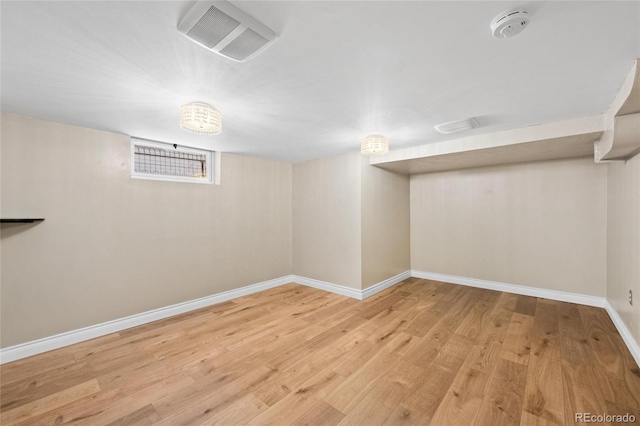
419, 353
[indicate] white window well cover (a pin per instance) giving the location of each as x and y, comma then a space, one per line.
165, 161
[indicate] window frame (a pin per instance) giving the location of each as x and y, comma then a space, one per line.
209, 155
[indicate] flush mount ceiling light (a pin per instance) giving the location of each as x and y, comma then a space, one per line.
374, 145
200, 118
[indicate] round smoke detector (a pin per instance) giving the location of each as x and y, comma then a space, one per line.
507, 24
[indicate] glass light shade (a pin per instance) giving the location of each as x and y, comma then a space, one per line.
374, 145
200, 118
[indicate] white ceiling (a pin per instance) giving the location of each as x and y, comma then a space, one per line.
339, 71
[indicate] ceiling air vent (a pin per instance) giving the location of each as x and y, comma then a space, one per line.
224, 29
457, 126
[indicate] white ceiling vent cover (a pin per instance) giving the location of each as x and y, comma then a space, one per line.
224, 29
457, 126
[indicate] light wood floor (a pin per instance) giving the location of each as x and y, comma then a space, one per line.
421, 352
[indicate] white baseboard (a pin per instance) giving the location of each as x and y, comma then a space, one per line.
332, 288
383, 285
625, 333
581, 299
348, 291
46, 344
13, 353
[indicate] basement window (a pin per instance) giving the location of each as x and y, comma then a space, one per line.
172, 162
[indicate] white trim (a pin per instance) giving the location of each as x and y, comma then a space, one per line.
217, 167
626, 335
383, 285
352, 292
46, 344
581, 299
332, 288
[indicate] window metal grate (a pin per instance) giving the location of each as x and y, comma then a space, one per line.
165, 162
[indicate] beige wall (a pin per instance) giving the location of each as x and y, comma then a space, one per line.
339, 204
326, 219
385, 225
537, 224
623, 241
113, 246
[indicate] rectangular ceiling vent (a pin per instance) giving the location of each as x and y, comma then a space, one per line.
224, 29
457, 126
